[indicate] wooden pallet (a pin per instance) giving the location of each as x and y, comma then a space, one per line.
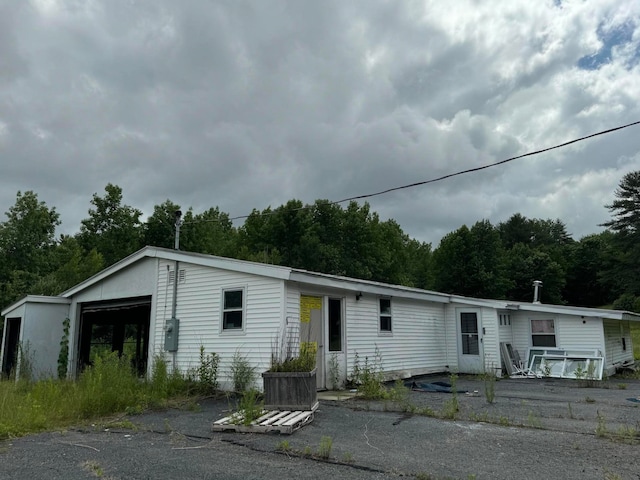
282, 421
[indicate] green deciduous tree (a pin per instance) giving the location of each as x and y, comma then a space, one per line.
112, 228
586, 282
210, 232
159, 229
70, 265
471, 262
27, 239
526, 264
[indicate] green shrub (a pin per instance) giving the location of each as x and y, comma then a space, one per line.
207, 372
109, 385
243, 374
304, 362
369, 377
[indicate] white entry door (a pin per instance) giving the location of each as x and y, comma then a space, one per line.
312, 333
470, 352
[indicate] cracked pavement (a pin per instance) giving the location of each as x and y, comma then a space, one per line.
536, 428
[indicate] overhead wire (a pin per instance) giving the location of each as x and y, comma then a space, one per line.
443, 177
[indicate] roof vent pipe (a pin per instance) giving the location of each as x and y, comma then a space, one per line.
536, 291
176, 244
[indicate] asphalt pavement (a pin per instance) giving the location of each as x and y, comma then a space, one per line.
534, 428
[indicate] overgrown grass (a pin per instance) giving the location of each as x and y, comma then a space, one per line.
107, 387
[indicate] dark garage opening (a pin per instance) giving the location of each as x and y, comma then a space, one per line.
12, 340
121, 326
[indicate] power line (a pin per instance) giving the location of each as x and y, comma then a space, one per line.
444, 177
450, 175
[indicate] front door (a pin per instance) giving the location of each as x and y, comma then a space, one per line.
470, 354
311, 332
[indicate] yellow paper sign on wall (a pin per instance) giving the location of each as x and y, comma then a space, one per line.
306, 305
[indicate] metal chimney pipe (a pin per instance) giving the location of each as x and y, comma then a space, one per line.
176, 244
536, 291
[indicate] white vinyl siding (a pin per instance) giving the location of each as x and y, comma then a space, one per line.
573, 332
134, 281
199, 309
418, 342
41, 324
491, 341
614, 332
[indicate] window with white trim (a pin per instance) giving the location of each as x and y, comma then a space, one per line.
543, 333
233, 309
505, 319
385, 314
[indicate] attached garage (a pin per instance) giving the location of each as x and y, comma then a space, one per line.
115, 326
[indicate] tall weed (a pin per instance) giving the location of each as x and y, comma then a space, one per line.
243, 374
109, 386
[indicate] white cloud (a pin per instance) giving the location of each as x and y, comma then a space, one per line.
242, 105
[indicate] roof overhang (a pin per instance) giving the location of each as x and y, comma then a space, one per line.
365, 286
223, 263
35, 299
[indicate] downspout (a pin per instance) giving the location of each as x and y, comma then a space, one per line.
174, 303
176, 246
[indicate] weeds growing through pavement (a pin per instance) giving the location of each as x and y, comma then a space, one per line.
324, 449
533, 421
283, 446
489, 379
601, 426
452, 406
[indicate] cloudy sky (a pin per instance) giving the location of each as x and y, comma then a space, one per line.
246, 104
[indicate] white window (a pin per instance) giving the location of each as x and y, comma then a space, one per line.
543, 333
385, 315
233, 309
505, 319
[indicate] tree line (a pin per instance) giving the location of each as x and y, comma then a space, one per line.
484, 260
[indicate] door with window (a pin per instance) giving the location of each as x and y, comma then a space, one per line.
470, 352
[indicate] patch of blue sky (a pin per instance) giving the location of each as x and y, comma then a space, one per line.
618, 36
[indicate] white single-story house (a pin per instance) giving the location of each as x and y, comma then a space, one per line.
228, 306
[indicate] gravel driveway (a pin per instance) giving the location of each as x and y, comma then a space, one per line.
539, 429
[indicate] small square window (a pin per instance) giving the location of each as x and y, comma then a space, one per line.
233, 309
543, 333
385, 315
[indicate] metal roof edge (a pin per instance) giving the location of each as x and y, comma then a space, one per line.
35, 299
365, 286
224, 263
110, 270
